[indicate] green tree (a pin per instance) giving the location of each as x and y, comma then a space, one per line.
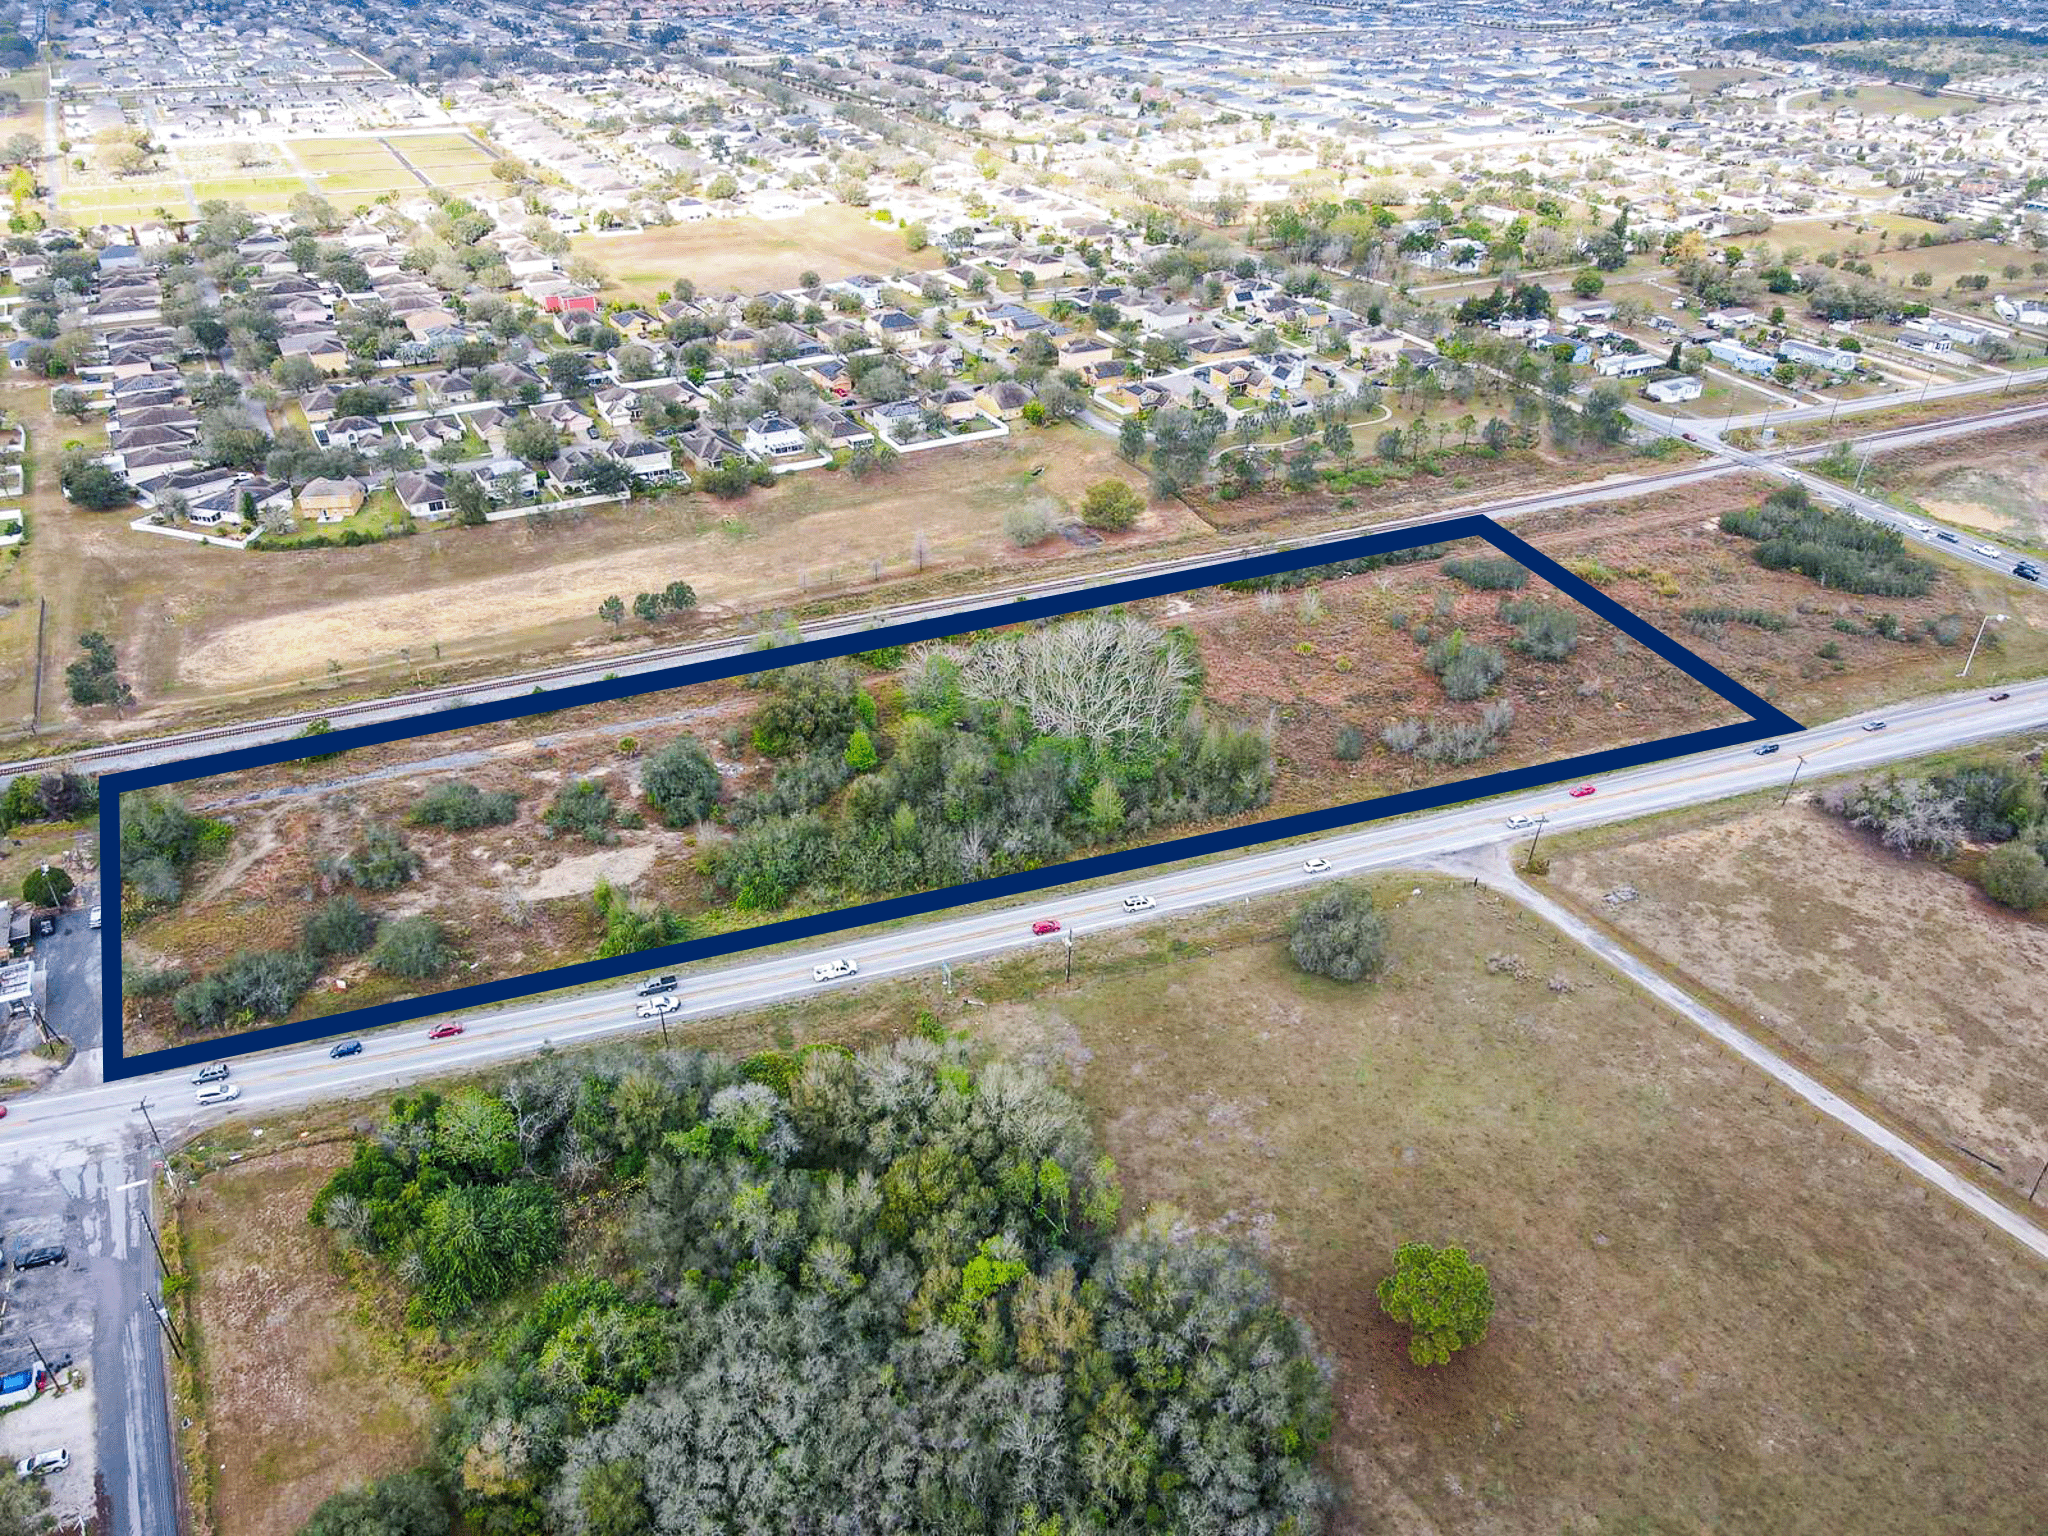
405, 1505
1111, 505
1443, 1297
1131, 438
1106, 808
679, 597
681, 782
46, 886
342, 926
1587, 284
615, 1500
861, 756
612, 611
1336, 933
475, 1131
647, 607
2015, 876
95, 678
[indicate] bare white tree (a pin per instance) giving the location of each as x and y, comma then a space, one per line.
1105, 679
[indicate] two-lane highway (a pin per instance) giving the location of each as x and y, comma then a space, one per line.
69, 1125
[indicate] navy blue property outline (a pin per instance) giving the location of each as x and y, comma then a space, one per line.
1765, 720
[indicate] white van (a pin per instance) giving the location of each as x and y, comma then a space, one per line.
219, 1093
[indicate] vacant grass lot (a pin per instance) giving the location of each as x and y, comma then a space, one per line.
306, 1381
1716, 1311
1792, 918
751, 255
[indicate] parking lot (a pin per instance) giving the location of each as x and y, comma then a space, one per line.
54, 1306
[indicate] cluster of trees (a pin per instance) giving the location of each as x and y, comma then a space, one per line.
876, 1291
1793, 532
650, 607
1338, 933
1012, 752
61, 796
1996, 800
95, 677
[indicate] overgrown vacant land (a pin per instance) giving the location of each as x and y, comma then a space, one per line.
404, 869
1901, 978
1716, 1311
1887, 622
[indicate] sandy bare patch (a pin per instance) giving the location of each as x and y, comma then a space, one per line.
575, 877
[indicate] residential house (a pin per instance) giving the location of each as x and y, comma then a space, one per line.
1005, 399
331, 501
423, 493
647, 460
351, 432
771, 436
1674, 391
323, 349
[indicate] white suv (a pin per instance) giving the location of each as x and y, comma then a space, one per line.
832, 970
42, 1464
1139, 903
655, 1007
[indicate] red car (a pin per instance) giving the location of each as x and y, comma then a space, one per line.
1582, 791
3, 1111
444, 1032
1046, 925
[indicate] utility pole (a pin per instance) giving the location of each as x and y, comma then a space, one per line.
1541, 822
1796, 767
153, 1136
163, 1319
150, 1227
1070, 954
48, 1369
1988, 620
2043, 1174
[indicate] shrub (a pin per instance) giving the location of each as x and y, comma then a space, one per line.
583, 809
342, 926
157, 882
159, 826
1542, 630
2015, 876
681, 782
1756, 618
1488, 573
413, 947
407, 1504
1402, 736
1445, 1299
1467, 669
1026, 526
1336, 933
630, 927
152, 980
460, 807
1350, 744
260, 984
381, 861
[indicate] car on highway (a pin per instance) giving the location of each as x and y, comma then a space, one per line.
212, 1072
218, 1093
38, 1258
1923, 529
1987, 551
1873, 725
94, 919
655, 1007
444, 1031
43, 1463
832, 970
2000, 698
1139, 903
1517, 823
1767, 749
3, 1111
1046, 925
655, 984
2026, 572
1688, 437
346, 1048
1582, 791
1947, 538
1316, 866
